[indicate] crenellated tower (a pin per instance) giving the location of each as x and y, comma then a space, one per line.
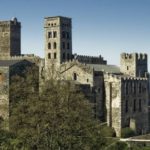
134, 64
58, 40
10, 38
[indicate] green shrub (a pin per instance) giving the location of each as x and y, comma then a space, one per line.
127, 132
108, 131
118, 146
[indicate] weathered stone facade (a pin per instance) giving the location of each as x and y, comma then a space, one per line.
127, 103
9, 68
10, 38
120, 94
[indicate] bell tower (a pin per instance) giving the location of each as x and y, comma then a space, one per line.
10, 38
58, 40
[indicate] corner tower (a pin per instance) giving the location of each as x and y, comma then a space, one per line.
58, 40
134, 64
10, 38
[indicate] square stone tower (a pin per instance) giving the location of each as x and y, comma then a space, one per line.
10, 38
134, 64
58, 40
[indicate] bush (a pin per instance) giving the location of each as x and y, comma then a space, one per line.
108, 131
127, 132
118, 146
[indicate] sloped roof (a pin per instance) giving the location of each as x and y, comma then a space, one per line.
7, 63
105, 68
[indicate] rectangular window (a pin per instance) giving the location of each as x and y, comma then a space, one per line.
49, 55
134, 105
55, 55
49, 34
126, 106
54, 34
140, 105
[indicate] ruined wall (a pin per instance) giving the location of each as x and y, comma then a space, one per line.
113, 102
99, 95
135, 104
127, 103
4, 94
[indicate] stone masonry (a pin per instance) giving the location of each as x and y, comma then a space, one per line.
120, 94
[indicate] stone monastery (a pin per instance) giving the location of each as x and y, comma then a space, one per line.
120, 94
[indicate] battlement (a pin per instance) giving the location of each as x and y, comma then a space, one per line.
13, 21
90, 59
125, 78
140, 56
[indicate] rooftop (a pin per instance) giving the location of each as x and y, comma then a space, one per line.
7, 63
105, 68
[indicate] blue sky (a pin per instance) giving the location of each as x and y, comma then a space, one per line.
106, 27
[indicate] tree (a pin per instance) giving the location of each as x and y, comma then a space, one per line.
59, 118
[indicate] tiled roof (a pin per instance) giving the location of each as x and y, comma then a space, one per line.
7, 63
105, 68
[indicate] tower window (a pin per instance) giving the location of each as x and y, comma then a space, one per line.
54, 34
134, 105
63, 35
49, 34
55, 45
64, 56
49, 45
49, 55
63, 45
134, 88
74, 76
55, 55
140, 88
68, 46
127, 67
68, 56
126, 85
126, 106
68, 36
140, 105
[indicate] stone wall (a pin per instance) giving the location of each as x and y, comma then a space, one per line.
90, 59
134, 64
4, 96
10, 38
113, 102
135, 104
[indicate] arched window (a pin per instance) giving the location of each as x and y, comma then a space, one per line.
126, 87
64, 56
134, 105
74, 76
68, 36
55, 45
63, 45
49, 55
54, 34
68, 46
68, 56
134, 88
140, 88
49, 34
126, 106
55, 55
63, 35
49, 45
140, 105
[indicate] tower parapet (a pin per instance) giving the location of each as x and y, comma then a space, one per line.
134, 64
10, 38
90, 59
